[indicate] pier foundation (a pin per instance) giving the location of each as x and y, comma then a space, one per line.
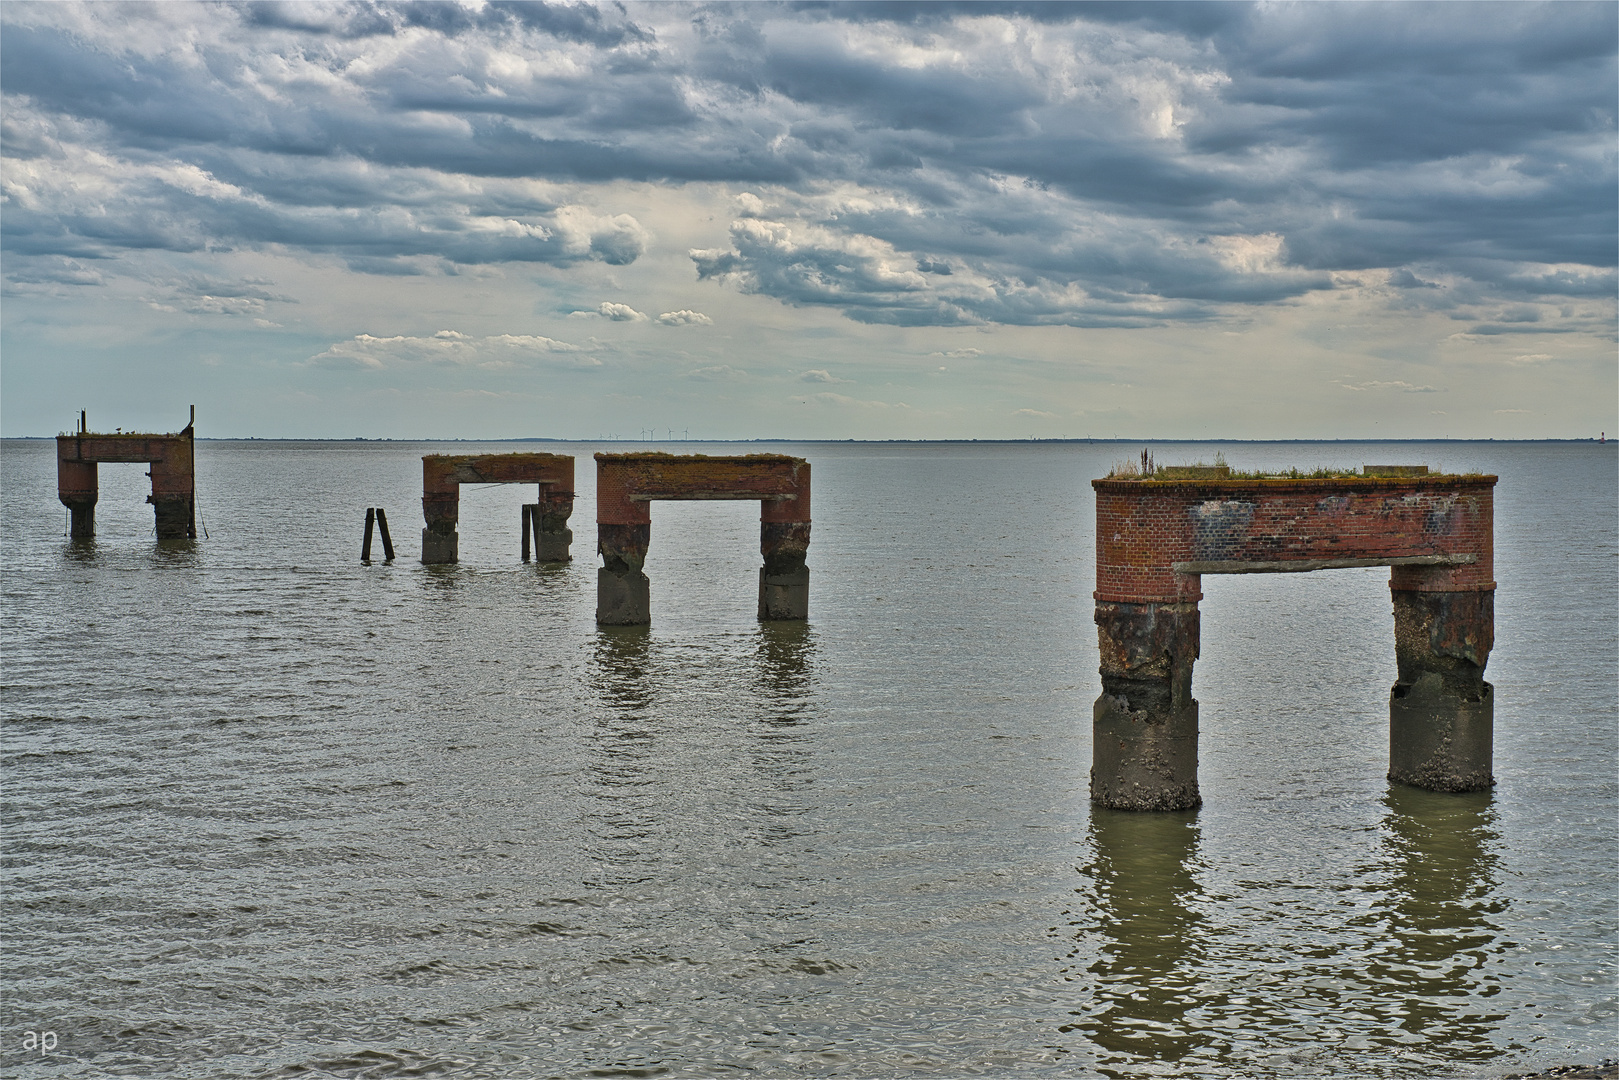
1156, 535
1144, 724
1441, 711
172, 468
443, 475
626, 486
623, 592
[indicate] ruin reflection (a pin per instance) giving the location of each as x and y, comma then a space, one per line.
1145, 977
782, 660
1434, 970
780, 752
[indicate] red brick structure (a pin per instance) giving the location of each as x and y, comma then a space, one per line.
443, 475
173, 473
626, 485
1156, 537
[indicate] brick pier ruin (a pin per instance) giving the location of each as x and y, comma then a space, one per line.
173, 473
1155, 538
443, 475
626, 485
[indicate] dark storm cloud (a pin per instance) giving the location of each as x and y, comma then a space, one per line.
928, 163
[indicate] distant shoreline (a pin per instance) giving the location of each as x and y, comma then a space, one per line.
845, 442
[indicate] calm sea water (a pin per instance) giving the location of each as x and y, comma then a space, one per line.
269, 812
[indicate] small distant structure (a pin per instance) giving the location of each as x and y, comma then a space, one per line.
1157, 535
173, 473
443, 475
627, 484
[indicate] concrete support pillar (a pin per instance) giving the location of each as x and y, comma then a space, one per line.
442, 511
174, 490
623, 593
79, 486
1144, 725
552, 537
176, 517
1441, 711
783, 579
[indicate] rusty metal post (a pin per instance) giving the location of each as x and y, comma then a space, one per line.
527, 523
1144, 724
1441, 711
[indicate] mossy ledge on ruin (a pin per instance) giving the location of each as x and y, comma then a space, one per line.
1129, 471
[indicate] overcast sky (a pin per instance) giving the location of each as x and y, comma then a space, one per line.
879, 220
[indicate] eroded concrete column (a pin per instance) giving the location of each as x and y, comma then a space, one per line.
623, 593
78, 486
440, 542
784, 536
1441, 711
1144, 724
552, 537
174, 491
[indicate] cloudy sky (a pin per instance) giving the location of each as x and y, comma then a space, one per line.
811, 220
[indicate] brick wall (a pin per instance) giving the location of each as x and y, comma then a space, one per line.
626, 483
1144, 527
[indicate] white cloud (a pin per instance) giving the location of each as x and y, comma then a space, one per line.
820, 375
843, 401
715, 373
1395, 385
448, 348
611, 311
684, 317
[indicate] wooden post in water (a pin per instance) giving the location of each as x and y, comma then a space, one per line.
535, 521
387, 541
370, 523
528, 517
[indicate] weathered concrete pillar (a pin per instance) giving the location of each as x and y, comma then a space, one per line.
623, 593
440, 543
1144, 724
78, 486
176, 518
1441, 711
784, 536
174, 490
552, 537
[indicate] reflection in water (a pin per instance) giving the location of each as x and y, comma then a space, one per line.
784, 682
623, 811
619, 675
82, 550
1146, 974
1437, 908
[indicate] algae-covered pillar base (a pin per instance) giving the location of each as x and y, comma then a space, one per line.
176, 518
440, 545
623, 593
1144, 724
784, 543
1441, 711
553, 540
